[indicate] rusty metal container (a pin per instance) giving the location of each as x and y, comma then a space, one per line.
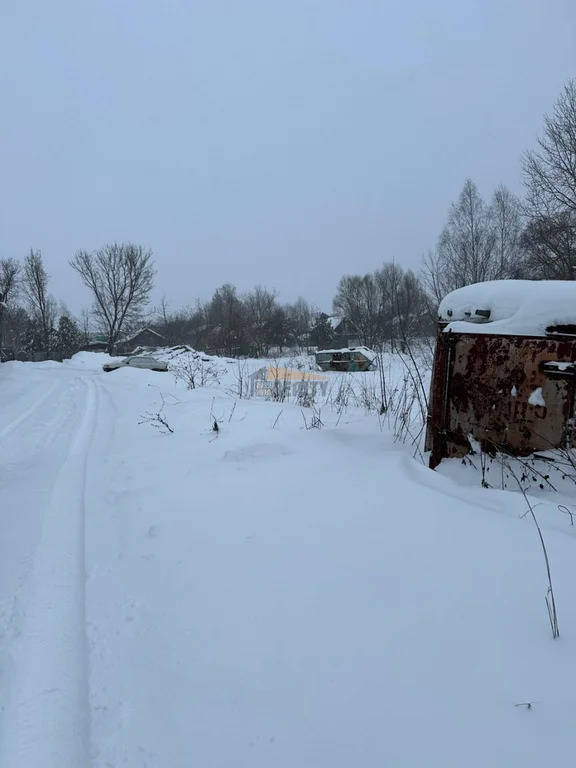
510, 393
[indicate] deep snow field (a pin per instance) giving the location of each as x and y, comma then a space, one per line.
267, 595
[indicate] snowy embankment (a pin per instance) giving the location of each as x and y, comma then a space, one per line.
265, 594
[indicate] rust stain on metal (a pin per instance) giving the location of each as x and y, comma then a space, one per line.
496, 389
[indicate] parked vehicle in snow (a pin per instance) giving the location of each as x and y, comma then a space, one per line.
137, 361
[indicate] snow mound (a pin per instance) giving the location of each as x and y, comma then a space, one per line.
90, 360
256, 452
517, 307
183, 359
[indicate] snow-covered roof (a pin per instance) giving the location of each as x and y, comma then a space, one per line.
511, 307
126, 339
334, 321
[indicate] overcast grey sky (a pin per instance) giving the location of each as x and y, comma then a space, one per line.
281, 142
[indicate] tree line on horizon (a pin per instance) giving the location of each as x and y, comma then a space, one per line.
509, 237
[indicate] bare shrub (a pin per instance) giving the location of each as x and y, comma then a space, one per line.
314, 421
367, 395
521, 471
407, 400
550, 601
196, 371
157, 420
279, 390
382, 382
241, 386
306, 394
341, 393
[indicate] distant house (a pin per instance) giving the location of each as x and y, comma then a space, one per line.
95, 344
145, 337
345, 335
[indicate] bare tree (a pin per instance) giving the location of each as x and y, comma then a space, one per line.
506, 219
85, 324
9, 279
226, 318
436, 282
388, 279
300, 319
188, 326
43, 307
478, 243
549, 239
120, 277
411, 312
550, 171
162, 313
359, 300
549, 245
467, 241
260, 312
16, 322
402, 303
385, 304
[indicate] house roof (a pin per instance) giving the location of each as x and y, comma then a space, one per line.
335, 321
512, 307
135, 335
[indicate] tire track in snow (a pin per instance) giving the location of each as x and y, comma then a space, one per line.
46, 722
28, 413
37, 428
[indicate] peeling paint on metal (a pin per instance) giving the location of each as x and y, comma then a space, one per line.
482, 386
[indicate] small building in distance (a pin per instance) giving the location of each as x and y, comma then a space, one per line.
97, 343
145, 337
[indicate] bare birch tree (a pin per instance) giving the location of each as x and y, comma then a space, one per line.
478, 243
43, 307
506, 220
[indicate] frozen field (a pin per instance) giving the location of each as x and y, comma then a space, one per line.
266, 595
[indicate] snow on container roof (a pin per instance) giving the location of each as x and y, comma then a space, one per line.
369, 354
512, 307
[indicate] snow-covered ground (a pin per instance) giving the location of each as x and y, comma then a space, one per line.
266, 595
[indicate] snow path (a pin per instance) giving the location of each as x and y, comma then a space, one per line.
272, 596
47, 720
30, 412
